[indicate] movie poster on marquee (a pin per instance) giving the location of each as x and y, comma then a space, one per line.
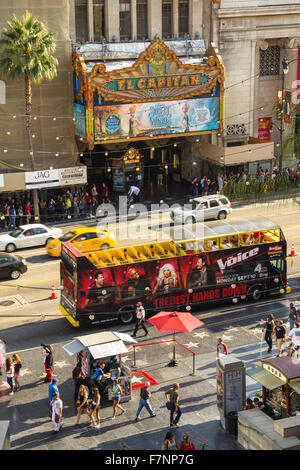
156, 118
79, 115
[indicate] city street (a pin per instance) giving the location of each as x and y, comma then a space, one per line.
35, 319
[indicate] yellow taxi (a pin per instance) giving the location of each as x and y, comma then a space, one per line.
84, 239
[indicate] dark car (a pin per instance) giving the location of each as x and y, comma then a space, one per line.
11, 266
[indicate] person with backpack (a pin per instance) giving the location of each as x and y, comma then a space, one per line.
145, 394
172, 404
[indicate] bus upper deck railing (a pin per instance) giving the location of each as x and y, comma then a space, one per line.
172, 249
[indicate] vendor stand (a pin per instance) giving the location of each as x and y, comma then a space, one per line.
280, 380
101, 347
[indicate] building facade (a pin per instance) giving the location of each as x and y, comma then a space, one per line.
253, 37
53, 126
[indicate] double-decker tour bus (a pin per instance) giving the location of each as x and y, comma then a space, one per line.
235, 260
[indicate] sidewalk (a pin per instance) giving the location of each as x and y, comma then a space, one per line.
31, 428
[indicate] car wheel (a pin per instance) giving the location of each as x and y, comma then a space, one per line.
49, 240
105, 246
126, 317
15, 274
10, 248
222, 215
190, 220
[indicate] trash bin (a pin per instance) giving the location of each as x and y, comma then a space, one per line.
232, 420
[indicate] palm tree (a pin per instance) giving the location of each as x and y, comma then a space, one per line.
26, 53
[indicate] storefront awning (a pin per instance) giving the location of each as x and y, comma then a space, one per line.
265, 378
295, 385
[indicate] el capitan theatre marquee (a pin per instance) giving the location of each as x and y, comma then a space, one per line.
159, 95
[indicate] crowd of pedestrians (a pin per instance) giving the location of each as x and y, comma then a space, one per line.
88, 391
65, 204
231, 184
277, 331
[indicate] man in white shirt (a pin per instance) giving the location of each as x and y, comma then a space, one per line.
140, 318
57, 407
294, 334
134, 193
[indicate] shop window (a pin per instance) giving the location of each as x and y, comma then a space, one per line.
183, 18
167, 20
142, 19
125, 20
81, 22
269, 61
98, 11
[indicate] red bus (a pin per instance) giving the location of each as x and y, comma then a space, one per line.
234, 261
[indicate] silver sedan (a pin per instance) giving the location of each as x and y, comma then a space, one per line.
27, 236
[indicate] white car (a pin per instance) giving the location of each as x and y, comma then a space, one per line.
27, 236
203, 208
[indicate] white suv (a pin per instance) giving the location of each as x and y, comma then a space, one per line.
203, 208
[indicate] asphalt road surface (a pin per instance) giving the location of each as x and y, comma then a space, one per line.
27, 314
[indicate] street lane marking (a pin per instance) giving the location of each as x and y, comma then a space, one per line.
42, 264
14, 286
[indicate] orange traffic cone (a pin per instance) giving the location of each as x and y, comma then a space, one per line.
293, 250
53, 295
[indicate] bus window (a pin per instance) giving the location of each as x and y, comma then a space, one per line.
277, 267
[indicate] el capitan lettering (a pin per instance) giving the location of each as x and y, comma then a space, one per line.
168, 81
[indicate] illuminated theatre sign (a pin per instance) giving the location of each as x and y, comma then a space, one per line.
157, 96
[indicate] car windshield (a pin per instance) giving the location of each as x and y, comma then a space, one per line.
66, 236
15, 233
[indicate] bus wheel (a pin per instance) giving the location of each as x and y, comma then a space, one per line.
126, 317
256, 294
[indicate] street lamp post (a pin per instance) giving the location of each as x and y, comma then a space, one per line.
285, 69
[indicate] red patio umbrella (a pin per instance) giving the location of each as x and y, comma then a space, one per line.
183, 322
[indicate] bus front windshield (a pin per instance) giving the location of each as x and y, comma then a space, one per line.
66, 236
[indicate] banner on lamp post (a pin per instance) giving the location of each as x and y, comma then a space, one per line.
287, 106
279, 103
264, 128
